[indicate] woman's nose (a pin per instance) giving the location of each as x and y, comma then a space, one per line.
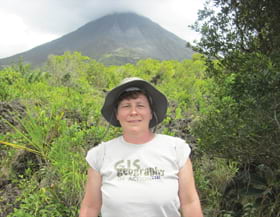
133, 110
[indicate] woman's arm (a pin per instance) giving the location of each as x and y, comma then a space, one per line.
92, 201
189, 200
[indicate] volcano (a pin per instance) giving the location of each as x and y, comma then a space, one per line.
113, 39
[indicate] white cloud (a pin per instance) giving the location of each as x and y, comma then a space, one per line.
12, 33
177, 17
17, 37
26, 25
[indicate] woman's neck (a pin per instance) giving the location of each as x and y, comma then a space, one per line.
139, 138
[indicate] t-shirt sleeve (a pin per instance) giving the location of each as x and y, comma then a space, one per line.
183, 152
95, 157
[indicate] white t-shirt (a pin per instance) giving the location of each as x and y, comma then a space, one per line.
140, 180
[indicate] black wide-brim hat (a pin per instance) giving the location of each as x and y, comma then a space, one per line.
158, 101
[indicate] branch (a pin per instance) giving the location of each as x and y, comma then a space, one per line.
276, 119
275, 113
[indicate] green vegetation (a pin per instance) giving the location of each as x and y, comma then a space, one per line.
240, 122
224, 102
43, 145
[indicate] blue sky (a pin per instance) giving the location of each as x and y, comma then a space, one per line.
27, 24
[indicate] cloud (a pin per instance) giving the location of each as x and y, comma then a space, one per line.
45, 20
16, 36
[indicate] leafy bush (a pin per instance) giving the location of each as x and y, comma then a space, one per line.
63, 121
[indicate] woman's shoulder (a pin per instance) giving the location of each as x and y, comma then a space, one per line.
104, 144
169, 138
111, 141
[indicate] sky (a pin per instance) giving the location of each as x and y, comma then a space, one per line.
27, 24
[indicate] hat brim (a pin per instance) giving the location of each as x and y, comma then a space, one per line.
159, 102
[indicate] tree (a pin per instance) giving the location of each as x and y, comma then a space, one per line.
68, 69
240, 40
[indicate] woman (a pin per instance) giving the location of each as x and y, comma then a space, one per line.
139, 174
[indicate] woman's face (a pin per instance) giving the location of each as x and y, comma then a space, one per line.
134, 115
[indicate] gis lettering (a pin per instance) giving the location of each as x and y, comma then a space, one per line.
127, 164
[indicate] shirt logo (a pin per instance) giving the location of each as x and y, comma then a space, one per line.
133, 171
